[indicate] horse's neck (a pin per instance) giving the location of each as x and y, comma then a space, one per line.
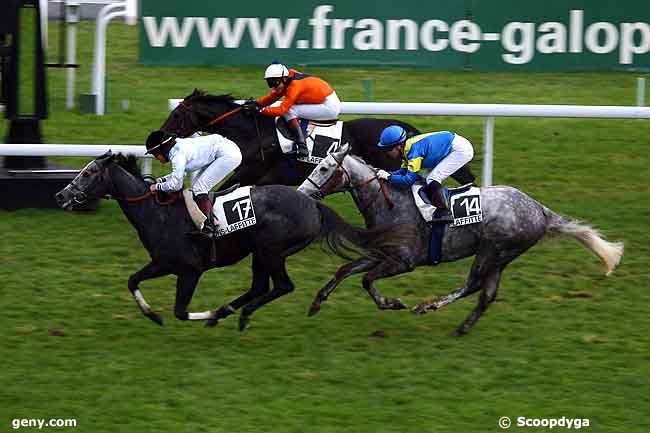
125, 185
241, 128
379, 207
368, 195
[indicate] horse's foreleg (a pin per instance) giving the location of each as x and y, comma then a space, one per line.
488, 295
385, 269
151, 270
360, 265
259, 287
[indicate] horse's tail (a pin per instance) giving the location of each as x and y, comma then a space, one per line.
341, 238
609, 253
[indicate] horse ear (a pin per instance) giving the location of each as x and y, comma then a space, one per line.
344, 150
107, 155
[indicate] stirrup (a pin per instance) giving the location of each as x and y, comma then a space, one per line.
302, 150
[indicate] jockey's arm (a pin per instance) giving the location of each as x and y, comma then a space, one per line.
407, 175
269, 99
174, 180
289, 99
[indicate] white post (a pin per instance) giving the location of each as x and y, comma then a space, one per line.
99, 63
640, 92
132, 12
488, 142
71, 19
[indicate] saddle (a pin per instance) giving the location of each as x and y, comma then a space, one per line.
306, 125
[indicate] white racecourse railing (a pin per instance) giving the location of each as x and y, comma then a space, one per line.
94, 150
489, 111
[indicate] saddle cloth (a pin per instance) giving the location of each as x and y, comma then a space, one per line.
464, 202
233, 209
322, 138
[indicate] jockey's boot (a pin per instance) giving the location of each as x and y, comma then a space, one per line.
299, 141
210, 224
438, 198
464, 175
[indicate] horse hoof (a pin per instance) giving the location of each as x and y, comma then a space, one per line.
155, 317
211, 323
397, 304
460, 332
315, 308
419, 309
244, 323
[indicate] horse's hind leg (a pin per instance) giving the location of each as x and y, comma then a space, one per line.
281, 286
259, 286
360, 265
472, 285
488, 295
185, 286
151, 270
386, 268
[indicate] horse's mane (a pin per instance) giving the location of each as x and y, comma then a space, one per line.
128, 163
201, 96
362, 161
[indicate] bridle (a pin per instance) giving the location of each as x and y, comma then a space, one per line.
81, 197
351, 186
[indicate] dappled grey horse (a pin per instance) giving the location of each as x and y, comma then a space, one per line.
287, 222
512, 223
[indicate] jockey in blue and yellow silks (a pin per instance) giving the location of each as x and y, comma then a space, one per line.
441, 152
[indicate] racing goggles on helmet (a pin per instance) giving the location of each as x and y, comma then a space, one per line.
273, 82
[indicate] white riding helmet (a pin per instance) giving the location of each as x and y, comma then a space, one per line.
276, 70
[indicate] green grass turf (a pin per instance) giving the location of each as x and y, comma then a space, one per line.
562, 340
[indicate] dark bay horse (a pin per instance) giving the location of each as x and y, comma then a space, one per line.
287, 221
512, 223
263, 163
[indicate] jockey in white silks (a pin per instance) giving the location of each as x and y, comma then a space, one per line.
210, 158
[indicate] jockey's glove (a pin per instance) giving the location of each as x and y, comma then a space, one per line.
383, 174
251, 105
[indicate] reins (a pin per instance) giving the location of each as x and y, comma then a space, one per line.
363, 184
173, 198
223, 116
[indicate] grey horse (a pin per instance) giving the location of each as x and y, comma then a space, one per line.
512, 223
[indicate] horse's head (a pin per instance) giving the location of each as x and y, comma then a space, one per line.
195, 113
92, 182
329, 176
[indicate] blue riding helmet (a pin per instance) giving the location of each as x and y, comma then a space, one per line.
391, 137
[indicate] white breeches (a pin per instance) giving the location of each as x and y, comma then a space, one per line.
462, 152
329, 109
204, 179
